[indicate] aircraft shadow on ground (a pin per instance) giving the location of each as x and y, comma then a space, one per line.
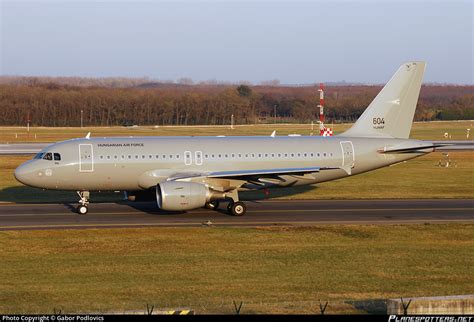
248, 196
28, 195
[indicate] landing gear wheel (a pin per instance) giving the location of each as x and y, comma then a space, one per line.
213, 205
82, 210
237, 208
83, 202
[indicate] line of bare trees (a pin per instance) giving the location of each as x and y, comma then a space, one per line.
56, 104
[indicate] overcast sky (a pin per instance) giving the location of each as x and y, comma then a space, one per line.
294, 42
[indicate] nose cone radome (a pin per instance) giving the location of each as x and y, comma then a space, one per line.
24, 174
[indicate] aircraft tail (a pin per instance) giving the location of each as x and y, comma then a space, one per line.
391, 112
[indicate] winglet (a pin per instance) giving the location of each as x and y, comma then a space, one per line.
88, 136
273, 134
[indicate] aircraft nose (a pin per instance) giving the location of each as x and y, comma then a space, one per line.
23, 174
20, 173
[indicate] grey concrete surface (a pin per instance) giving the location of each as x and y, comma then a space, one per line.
260, 213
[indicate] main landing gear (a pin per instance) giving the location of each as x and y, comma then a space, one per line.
212, 205
235, 208
82, 209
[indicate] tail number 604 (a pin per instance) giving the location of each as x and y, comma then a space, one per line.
378, 120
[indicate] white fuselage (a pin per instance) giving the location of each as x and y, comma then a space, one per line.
140, 163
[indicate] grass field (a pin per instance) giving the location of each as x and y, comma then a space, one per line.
408, 180
420, 130
269, 269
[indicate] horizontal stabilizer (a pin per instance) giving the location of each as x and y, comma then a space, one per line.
430, 146
447, 146
415, 149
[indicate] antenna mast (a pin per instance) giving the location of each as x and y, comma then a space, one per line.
323, 131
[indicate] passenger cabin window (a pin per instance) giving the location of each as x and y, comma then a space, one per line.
48, 156
57, 157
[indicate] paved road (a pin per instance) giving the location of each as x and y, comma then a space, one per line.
22, 148
305, 212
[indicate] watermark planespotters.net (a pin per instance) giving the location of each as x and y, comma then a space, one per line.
423, 318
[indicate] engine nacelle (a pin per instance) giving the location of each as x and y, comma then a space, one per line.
178, 195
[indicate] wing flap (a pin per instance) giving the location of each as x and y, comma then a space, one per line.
261, 172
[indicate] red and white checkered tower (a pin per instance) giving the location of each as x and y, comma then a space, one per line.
323, 131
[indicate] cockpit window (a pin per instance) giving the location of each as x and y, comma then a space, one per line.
48, 156
57, 157
39, 156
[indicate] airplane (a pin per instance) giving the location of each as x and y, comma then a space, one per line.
191, 172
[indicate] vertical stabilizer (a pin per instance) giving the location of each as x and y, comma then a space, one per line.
391, 112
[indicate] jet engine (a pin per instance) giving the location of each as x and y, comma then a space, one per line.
178, 195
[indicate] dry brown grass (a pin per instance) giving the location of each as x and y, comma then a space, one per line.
270, 269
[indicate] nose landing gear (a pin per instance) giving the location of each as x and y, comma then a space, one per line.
82, 209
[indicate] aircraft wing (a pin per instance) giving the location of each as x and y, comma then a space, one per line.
249, 175
228, 180
244, 174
